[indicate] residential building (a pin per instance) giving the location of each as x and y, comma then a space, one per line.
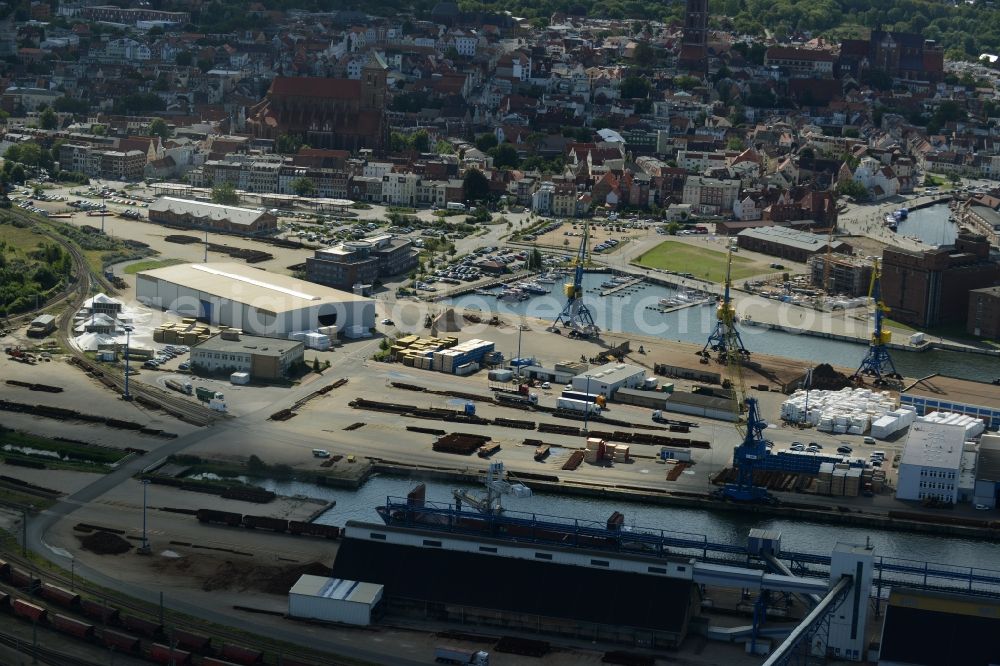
712, 196
400, 189
796, 61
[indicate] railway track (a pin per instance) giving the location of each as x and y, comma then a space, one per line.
43, 654
282, 653
150, 396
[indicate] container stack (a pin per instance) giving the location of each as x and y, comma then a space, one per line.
847, 411
317, 341
878, 480
838, 481
595, 450
621, 453
824, 480
852, 482
973, 427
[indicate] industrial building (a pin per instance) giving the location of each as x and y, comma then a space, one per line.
361, 261
333, 600
846, 275
984, 313
260, 303
787, 243
608, 378
931, 287
262, 358
697, 404
41, 326
988, 472
931, 464
212, 217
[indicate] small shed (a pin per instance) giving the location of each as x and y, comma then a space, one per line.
333, 599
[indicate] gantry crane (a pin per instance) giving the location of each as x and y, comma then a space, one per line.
725, 336
575, 314
877, 362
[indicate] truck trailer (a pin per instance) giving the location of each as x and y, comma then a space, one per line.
447, 655
582, 406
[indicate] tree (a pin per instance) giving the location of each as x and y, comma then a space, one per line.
304, 187
17, 174
225, 193
420, 141
475, 186
734, 143
634, 87
644, 54
442, 147
159, 128
484, 142
316, 366
288, 144
851, 188
535, 260
47, 119
184, 58
70, 105
505, 155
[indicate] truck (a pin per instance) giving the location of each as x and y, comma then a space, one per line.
207, 394
509, 387
597, 398
516, 399
582, 406
448, 655
455, 205
184, 387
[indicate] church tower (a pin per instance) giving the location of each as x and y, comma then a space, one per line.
694, 45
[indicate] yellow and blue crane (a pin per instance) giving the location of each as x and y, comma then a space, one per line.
575, 314
878, 363
725, 336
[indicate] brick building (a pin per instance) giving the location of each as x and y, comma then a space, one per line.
930, 287
787, 243
984, 313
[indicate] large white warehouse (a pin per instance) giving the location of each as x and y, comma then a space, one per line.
251, 299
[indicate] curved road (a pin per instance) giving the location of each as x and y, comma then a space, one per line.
243, 427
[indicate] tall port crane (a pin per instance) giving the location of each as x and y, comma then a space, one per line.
575, 314
725, 336
877, 362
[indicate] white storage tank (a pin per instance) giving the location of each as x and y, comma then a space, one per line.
333, 599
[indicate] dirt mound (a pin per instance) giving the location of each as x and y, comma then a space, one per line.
105, 543
826, 378
243, 577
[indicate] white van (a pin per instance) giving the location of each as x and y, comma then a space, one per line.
321, 453
870, 441
878, 455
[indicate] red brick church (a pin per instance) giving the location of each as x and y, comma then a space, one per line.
344, 114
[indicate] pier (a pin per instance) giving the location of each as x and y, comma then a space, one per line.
624, 285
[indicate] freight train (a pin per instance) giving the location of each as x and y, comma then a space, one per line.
267, 523
111, 628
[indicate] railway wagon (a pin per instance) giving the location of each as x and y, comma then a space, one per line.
72, 626
212, 661
241, 655
313, 529
29, 611
185, 640
99, 612
164, 654
119, 641
24, 579
4, 570
4, 601
59, 595
138, 625
223, 517
265, 523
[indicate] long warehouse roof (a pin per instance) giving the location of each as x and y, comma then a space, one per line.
252, 286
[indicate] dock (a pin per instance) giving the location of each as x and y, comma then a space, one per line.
624, 285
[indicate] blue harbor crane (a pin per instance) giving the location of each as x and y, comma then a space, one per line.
877, 362
575, 314
725, 335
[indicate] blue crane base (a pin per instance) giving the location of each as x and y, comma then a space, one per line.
877, 363
717, 342
747, 457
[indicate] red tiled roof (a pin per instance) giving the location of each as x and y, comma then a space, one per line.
314, 86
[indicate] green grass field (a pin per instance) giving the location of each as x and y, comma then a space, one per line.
699, 262
150, 264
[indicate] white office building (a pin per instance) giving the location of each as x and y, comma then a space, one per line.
608, 378
932, 464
